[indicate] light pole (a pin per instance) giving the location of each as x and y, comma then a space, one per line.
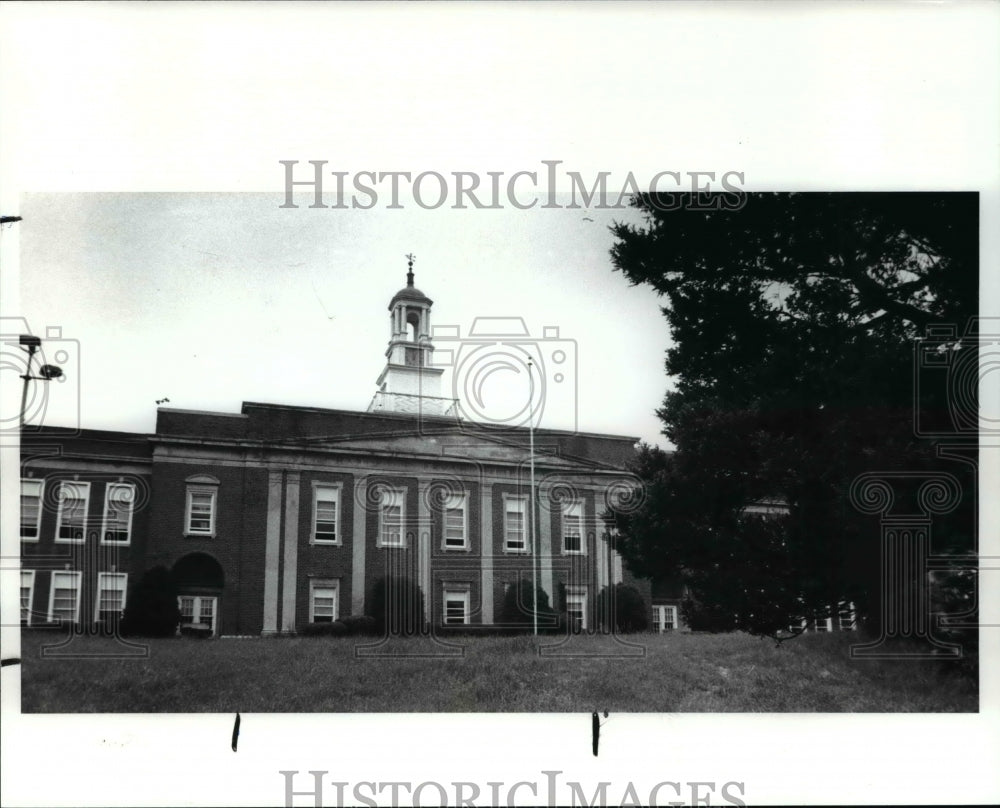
531, 498
32, 344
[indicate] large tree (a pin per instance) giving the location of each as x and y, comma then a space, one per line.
793, 320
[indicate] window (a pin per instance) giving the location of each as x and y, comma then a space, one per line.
118, 501
821, 624
391, 518
199, 517
513, 525
572, 521
576, 611
71, 521
64, 597
456, 605
847, 620
31, 509
197, 610
326, 508
767, 508
111, 587
27, 593
323, 601
664, 618
455, 532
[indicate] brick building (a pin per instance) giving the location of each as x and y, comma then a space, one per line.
279, 516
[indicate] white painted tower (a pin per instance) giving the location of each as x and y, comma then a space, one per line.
409, 382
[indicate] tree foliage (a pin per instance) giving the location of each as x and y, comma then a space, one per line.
520, 602
622, 607
793, 322
398, 606
151, 609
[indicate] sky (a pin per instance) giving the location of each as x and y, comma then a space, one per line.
210, 300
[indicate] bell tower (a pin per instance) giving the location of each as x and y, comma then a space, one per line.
408, 382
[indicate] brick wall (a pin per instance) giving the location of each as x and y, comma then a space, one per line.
324, 561
240, 534
187, 445
383, 561
457, 567
90, 556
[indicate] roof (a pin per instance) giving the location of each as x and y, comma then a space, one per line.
262, 425
276, 423
44, 441
410, 293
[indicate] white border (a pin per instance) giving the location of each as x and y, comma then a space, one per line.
818, 96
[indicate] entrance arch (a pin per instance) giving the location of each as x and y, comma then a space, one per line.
200, 580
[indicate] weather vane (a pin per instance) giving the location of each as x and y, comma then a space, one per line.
410, 257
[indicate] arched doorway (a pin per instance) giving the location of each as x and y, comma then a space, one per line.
200, 581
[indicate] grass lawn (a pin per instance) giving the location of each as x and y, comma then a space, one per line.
679, 673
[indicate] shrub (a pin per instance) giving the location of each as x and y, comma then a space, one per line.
334, 629
361, 624
398, 606
517, 613
84, 628
108, 627
151, 609
199, 631
461, 630
954, 593
702, 617
624, 605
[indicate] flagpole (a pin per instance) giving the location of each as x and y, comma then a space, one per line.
531, 488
